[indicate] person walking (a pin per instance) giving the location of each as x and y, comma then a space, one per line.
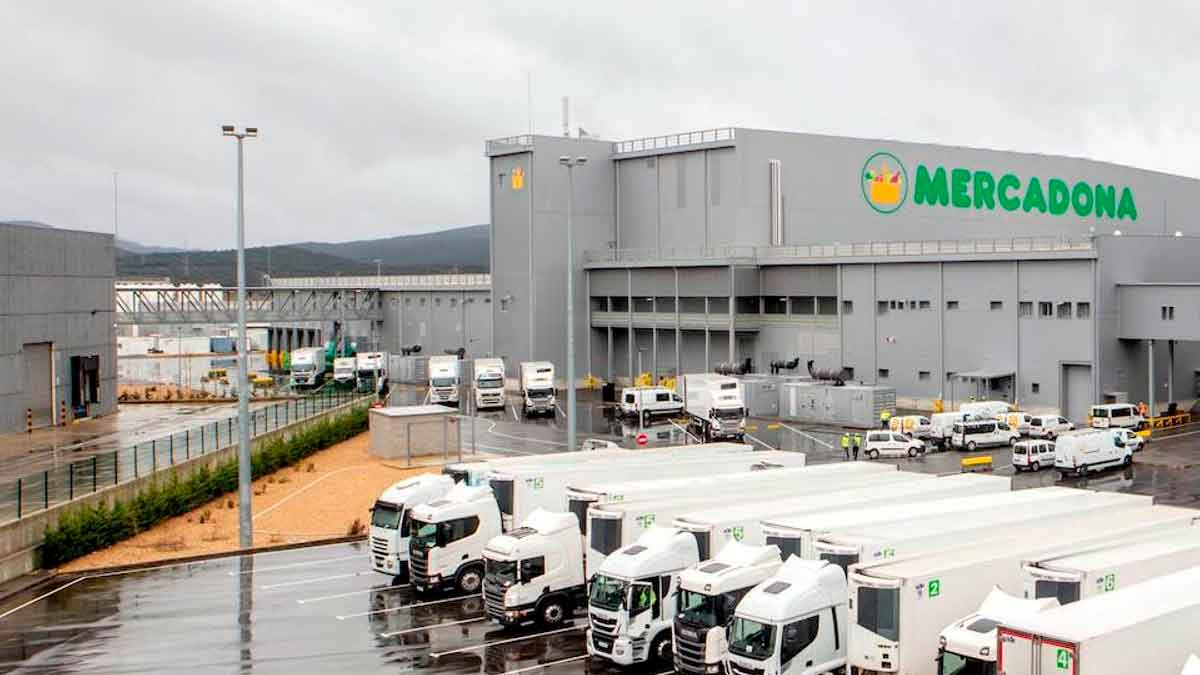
885, 416
857, 443
846, 445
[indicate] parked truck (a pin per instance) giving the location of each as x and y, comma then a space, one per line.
898, 608
537, 388
443, 380
308, 367
1147, 629
344, 372
969, 644
391, 521
489, 384
714, 404
535, 572
448, 536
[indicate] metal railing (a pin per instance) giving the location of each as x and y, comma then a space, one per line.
498, 146
868, 249
156, 304
61, 484
669, 141
389, 281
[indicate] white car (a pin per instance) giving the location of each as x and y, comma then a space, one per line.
1049, 426
1032, 455
892, 444
1130, 439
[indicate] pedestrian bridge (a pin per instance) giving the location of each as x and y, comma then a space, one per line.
145, 305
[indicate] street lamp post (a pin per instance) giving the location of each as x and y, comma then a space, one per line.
245, 524
570, 163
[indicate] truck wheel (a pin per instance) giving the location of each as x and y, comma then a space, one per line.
1012, 440
470, 580
707, 435
912, 452
660, 649
552, 612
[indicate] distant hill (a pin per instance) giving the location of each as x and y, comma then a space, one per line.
461, 248
135, 247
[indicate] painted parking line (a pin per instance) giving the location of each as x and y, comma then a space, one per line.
380, 589
547, 665
560, 410
42, 597
759, 442
500, 642
343, 617
809, 436
684, 430
513, 409
307, 563
316, 580
431, 627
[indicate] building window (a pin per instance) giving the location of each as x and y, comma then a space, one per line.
1045, 309
924, 304
487, 301
996, 305
827, 305
643, 305
618, 303
664, 305
422, 302
1036, 388
849, 372
407, 302
437, 302
1168, 313
747, 304
802, 304
912, 304
1083, 310
1064, 310
847, 307
923, 375
951, 304
774, 305
1025, 309
718, 305
454, 302
883, 373
883, 307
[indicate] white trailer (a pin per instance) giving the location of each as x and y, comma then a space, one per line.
1146, 629
489, 383
390, 520
898, 608
308, 366
969, 644
714, 404
443, 380
1192, 667
371, 364
537, 388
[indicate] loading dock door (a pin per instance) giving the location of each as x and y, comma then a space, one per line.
1076, 391
39, 391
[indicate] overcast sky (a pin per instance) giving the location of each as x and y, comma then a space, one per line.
373, 115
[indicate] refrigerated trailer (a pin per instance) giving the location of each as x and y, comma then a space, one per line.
898, 608
1145, 629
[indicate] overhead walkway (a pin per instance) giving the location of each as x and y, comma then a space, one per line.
144, 305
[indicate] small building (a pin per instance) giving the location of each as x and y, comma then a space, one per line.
413, 431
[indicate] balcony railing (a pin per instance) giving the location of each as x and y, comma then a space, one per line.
674, 140
508, 144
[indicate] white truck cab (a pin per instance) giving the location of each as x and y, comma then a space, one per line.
537, 388
715, 405
633, 597
793, 623
650, 401
391, 520
308, 366
969, 644
447, 534
535, 572
344, 370
708, 595
443, 380
489, 383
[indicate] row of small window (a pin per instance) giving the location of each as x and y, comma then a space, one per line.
1045, 309
1167, 312
803, 305
925, 376
437, 302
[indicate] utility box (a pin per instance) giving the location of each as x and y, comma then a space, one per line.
408, 432
408, 369
851, 405
761, 396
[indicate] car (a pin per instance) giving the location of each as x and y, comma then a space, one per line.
1032, 455
1130, 439
892, 444
1049, 426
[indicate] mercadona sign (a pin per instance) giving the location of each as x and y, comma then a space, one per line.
885, 188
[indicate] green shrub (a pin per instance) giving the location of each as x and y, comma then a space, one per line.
92, 528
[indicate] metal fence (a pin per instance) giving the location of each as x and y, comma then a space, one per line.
39, 491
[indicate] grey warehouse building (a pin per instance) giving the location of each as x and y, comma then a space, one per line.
57, 341
945, 272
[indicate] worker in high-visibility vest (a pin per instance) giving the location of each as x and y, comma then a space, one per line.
846, 445
884, 418
1142, 409
856, 443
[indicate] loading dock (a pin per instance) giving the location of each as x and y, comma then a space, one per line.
38, 365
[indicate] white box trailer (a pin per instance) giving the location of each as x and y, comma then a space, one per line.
1192, 667
713, 528
898, 608
797, 535
611, 526
1145, 629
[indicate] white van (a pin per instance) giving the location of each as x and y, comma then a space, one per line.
650, 401
1115, 415
1049, 426
982, 433
1018, 421
941, 426
917, 426
1130, 438
892, 444
985, 408
1032, 455
1082, 452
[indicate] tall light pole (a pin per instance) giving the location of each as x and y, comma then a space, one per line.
245, 524
570, 163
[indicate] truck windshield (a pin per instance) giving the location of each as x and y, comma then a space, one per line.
540, 393
879, 611
443, 382
490, 383
698, 608
424, 534
728, 413
605, 535
607, 593
500, 572
751, 639
386, 515
950, 663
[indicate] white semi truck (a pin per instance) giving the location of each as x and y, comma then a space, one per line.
898, 608
444, 380
535, 572
1147, 629
344, 371
371, 364
537, 388
489, 384
391, 520
308, 367
448, 535
969, 644
715, 405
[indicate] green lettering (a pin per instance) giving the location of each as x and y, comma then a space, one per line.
1034, 199
1060, 196
959, 181
931, 189
1081, 199
1007, 201
1106, 201
983, 190
1126, 209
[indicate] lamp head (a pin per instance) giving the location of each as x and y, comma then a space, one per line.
564, 160
252, 132
226, 129
580, 161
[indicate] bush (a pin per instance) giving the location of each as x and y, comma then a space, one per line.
92, 528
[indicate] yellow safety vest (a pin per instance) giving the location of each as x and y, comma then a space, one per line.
845, 441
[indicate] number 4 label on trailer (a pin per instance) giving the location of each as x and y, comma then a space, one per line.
1063, 659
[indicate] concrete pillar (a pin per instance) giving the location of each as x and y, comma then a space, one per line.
1170, 371
678, 332
1150, 368
732, 307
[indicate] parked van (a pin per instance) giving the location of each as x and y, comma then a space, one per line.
1082, 452
916, 426
1115, 415
1049, 426
1017, 421
650, 401
941, 426
1032, 455
985, 408
982, 433
1129, 438
892, 444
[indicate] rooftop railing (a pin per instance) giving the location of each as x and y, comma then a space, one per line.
387, 281
498, 146
674, 140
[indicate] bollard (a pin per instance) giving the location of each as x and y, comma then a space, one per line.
116, 467
29, 420
171, 450
18, 499
62, 413
71, 482
94, 466
46, 488
153, 455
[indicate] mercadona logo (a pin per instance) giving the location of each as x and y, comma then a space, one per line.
884, 182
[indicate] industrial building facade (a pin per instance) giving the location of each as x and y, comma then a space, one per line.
57, 341
944, 272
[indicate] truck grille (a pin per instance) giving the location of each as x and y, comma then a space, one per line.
493, 598
418, 565
739, 669
379, 550
603, 625
689, 652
